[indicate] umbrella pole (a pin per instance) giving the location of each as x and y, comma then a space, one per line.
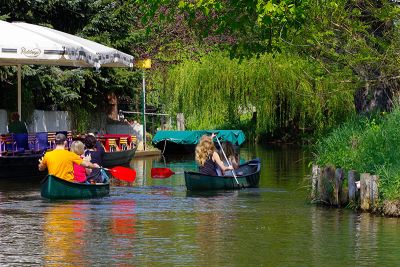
19, 90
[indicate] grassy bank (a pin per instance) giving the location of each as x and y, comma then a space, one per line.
367, 144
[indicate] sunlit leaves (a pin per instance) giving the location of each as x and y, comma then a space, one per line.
285, 90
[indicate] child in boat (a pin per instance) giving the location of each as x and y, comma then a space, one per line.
208, 158
80, 172
96, 151
231, 155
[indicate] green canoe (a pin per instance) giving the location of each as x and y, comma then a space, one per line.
248, 175
56, 188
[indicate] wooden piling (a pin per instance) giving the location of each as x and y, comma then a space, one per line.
368, 191
339, 177
351, 183
315, 174
326, 185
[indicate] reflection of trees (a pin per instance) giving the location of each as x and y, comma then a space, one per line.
345, 237
216, 221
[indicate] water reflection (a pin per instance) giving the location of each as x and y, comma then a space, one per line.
64, 234
76, 232
123, 228
158, 223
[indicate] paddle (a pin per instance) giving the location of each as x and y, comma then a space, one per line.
228, 161
122, 173
160, 173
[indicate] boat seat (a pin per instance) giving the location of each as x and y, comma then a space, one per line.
123, 143
112, 143
9, 144
41, 141
31, 141
21, 142
133, 141
2, 144
51, 139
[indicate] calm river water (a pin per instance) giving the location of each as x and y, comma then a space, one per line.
158, 223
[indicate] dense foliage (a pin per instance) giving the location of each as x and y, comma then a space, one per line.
288, 93
322, 56
367, 144
62, 88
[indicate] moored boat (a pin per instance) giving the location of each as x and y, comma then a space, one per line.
122, 157
56, 188
172, 142
20, 166
248, 175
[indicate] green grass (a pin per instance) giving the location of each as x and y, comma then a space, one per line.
366, 144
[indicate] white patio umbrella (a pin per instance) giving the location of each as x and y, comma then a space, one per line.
27, 44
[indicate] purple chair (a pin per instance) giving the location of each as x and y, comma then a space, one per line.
21, 142
41, 141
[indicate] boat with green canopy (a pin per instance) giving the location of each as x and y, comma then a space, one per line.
186, 141
247, 175
57, 188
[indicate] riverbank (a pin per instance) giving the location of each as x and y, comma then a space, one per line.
368, 145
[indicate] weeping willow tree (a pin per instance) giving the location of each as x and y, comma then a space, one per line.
286, 92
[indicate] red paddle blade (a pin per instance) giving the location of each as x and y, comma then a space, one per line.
123, 173
161, 172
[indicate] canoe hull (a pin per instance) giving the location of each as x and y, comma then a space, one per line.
122, 158
251, 177
56, 188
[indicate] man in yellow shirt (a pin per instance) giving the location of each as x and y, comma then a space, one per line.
60, 162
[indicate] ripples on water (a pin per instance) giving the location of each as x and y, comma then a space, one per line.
159, 223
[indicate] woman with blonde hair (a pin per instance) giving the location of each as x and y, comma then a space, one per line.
208, 158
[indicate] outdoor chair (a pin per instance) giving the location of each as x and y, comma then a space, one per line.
21, 142
51, 139
41, 141
2, 144
32, 141
112, 143
123, 143
9, 144
133, 141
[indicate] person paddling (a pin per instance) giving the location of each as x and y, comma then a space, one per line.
59, 162
208, 158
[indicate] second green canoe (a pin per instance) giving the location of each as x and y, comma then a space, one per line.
248, 175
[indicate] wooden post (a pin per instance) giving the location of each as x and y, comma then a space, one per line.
365, 179
374, 191
180, 121
316, 173
369, 191
325, 185
338, 186
351, 177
